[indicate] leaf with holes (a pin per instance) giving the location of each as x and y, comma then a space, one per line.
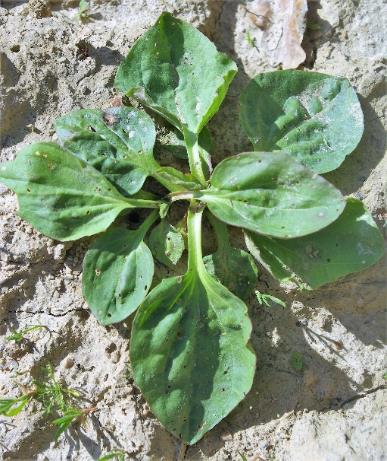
119, 143
177, 72
189, 348
350, 244
166, 243
118, 272
315, 117
271, 195
233, 267
61, 195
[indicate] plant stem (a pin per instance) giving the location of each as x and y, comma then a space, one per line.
194, 159
141, 203
194, 225
175, 196
149, 220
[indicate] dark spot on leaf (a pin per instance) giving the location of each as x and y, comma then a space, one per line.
328, 260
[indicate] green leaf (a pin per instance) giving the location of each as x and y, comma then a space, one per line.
272, 195
166, 243
117, 141
350, 244
315, 117
177, 72
264, 299
84, 6
233, 267
174, 180
119, 455
297, 361
189, 348
117, 272
12, 407
64, 422
62, 196
19, 336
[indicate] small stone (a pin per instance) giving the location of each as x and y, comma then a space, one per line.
69, 362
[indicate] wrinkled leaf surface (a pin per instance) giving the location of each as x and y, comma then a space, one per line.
315, 117
117, 141
175, 70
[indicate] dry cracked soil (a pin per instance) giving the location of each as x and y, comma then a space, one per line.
331, 409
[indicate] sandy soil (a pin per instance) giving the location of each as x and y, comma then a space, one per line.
333, 409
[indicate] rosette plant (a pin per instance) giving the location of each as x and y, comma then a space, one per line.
189, 346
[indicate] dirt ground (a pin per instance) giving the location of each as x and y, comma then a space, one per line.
332, 410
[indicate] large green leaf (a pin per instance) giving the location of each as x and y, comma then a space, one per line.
166, 243
350, 244
117, 272
272, 195
177, 72
315, 117
62, 196
233, 267
189, 348
119, 143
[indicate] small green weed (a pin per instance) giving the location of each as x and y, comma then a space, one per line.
267, 300
119, 455
250, 39
297, 361
84, 11
12, 407
56, 400
20, 335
